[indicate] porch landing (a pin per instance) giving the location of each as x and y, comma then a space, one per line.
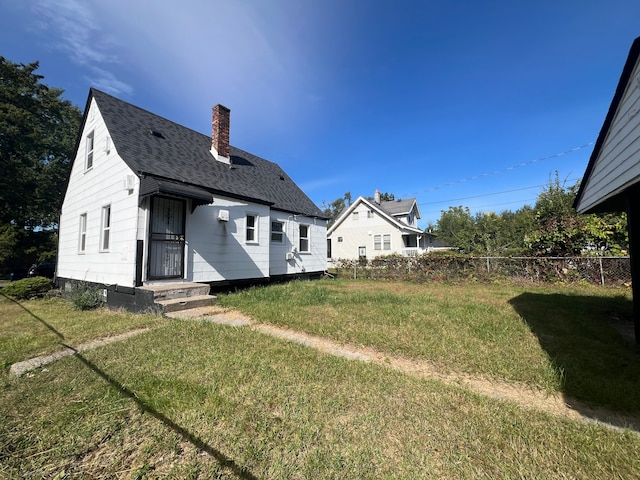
174, 297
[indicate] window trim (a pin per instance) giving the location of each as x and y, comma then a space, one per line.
105, 228
82, 234
307, 238
253, 228
379, 242
90, 148
276, 232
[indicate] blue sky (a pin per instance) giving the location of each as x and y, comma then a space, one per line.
451, 102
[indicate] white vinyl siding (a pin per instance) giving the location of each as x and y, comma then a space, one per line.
618, 164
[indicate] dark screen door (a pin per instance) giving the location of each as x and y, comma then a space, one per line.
166, 255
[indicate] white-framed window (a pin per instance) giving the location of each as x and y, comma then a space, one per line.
251, 228
105, 228
82, 240
90, 147
382, 241
369, 213
304, 239
277, 231
355, 215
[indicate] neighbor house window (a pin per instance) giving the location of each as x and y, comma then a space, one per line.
304, 238
105, 230
277, 231
82, 242
251, 233
90, 145
382, 241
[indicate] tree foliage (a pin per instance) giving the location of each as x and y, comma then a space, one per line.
38, 131
37, 136
335, 208
551, 228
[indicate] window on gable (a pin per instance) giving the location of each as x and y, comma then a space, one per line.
382, 241
369, 213
90, 147
355, 215
251, 229
105, 230
82, 241
277, 231
304, 238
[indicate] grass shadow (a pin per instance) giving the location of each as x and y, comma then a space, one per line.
223, 460
589, 340
50, 327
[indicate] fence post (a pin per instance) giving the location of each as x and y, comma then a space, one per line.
601, 272
488, 269
355, 270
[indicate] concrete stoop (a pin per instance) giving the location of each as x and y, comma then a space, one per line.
174, 297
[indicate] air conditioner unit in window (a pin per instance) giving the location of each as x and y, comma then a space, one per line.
223, 215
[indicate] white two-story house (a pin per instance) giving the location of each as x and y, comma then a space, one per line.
371, 228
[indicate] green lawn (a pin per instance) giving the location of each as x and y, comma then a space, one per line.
191, 399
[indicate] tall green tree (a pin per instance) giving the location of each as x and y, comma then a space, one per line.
38, 130
456, 227
335, 208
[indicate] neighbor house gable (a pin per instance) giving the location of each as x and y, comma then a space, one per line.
383, 213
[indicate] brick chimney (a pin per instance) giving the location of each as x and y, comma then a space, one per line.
376, 197
220, 133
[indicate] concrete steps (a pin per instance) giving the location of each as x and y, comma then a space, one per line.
174, 297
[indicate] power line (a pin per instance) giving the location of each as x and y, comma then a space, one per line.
489, 194
496, 172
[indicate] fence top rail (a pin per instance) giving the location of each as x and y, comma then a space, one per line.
552, 258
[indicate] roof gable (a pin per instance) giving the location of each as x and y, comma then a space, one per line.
377, 208
401, 207
154, 146
614, 165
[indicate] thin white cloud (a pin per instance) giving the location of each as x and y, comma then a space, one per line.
72, 27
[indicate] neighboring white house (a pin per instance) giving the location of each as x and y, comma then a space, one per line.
368, 229
611, 182
150, 201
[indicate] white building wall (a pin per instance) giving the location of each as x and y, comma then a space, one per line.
286, 258
88, 191
360, 232
217, 250
618, 165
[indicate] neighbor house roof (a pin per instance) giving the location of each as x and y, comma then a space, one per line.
400, 207
608, 194
179, 159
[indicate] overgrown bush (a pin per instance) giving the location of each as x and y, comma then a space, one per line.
85, 296
26, 288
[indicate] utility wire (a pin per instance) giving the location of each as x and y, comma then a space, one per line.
496, 172
490, 194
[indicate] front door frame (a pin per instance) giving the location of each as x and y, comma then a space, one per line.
167, 242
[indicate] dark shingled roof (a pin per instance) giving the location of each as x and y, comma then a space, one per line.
398, 207
156, 147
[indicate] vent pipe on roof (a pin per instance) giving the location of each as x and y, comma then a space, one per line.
220, 134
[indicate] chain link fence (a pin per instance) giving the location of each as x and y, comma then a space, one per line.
593, 270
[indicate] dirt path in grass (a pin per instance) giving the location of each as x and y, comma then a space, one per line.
523, 395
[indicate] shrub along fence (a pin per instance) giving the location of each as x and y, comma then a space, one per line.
427, 268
